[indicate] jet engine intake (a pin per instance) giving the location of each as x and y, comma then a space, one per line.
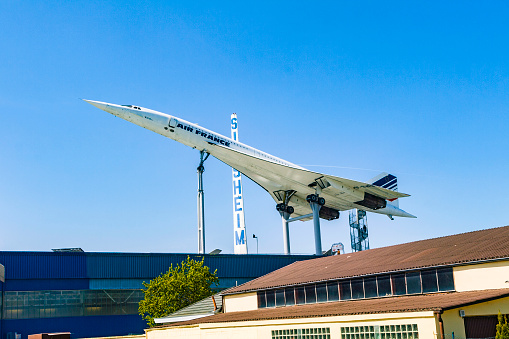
372, 201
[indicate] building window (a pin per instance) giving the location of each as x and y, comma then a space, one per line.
332, 291
310, 294
289, 296
262, 303
271, 298
407, 331
299, 296
321, 293
445, 279
359, 332
429, 281
413, 282
383, 285
357, 289
398, 284
78, 303
280, 297
345, 290
302, 333
370, 290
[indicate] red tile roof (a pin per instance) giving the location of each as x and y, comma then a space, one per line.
426, 302
450, 250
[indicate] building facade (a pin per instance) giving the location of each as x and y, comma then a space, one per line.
449, 287
97, 294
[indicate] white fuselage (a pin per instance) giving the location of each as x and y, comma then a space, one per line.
272, 173
184, 131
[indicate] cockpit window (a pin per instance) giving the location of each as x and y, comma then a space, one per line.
131, 106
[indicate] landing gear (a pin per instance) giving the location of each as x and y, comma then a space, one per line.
315, 198
284, 208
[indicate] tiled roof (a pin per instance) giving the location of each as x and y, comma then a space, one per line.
414, 303
455, 249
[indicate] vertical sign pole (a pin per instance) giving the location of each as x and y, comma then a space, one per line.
201, 203
239, 226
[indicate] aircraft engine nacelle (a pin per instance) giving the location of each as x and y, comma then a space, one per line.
372, 201
328, 213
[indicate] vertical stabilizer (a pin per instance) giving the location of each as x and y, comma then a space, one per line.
239, 225
388, 181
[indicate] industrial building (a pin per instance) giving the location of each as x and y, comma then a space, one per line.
449, 287
97, 294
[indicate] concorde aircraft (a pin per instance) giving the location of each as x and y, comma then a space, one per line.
295, 189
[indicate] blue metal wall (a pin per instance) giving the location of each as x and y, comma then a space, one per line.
80, 327
150, 265
46, 284
33, 271
43, 265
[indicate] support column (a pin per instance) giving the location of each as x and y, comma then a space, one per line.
285, 211
315, 207
286, 231
201, 203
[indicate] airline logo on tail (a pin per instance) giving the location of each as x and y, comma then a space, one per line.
389, 181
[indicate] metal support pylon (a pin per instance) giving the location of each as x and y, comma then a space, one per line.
315, 207
316, 202
286, 231
201, 203
285, 211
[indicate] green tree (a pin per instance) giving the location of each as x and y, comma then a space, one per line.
502, 327
181, 286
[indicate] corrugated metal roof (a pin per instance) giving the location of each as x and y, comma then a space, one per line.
196, 310
148, 265
451, 250
142, 266
43, 265
414, 303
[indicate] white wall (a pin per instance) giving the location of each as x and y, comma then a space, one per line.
491, 275
240, 302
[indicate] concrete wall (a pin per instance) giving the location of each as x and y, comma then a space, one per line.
491, 275
240, 302
262, 329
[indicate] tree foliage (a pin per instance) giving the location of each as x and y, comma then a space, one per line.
502, 327
181, 286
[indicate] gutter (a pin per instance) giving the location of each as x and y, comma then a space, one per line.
438, 318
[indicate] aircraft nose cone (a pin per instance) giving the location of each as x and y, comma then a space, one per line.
98, 104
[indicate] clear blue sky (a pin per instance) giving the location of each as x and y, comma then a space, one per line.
416, 88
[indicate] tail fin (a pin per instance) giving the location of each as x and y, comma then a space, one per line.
389, 182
